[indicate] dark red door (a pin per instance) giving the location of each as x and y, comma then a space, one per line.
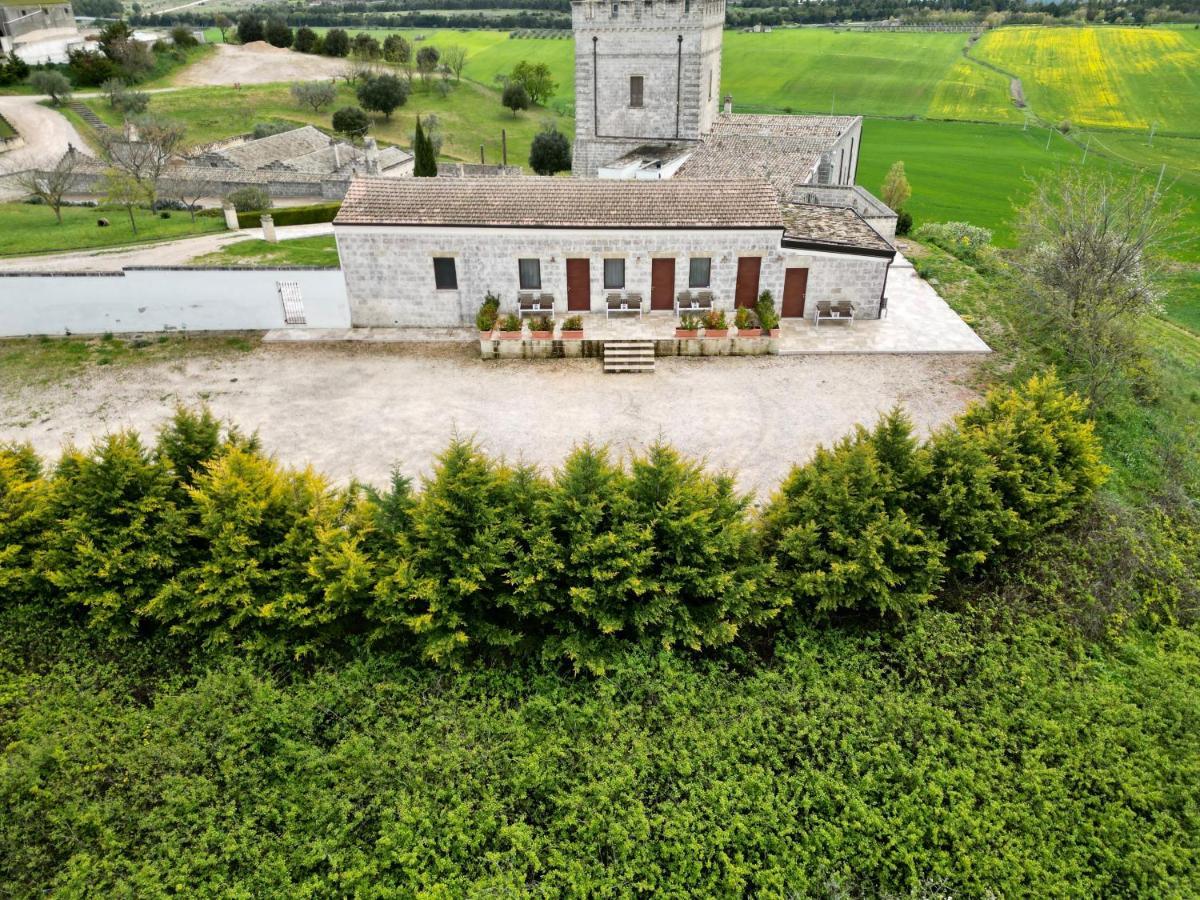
795, 286
579, 285
746, 293
662, 284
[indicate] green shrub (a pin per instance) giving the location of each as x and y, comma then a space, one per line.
745, 318
841, 535
1046, 455
291, 215
257, 527
714, 320
541, 323
25, 518
117, 531
510, 322
968, 242
452, 590
573, 323
249, 199
765, 310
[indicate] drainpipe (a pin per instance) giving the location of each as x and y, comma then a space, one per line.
887, 270
595, 88
678, 83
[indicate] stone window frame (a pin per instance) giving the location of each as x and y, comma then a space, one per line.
521, 285
604, 273
641, 91
708, 282
453, 260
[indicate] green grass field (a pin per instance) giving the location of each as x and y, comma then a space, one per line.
469, 116
33, 229
1125, 78
320, 250
979, 173
818, 71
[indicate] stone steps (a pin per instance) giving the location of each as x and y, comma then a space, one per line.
88, 116
629, 356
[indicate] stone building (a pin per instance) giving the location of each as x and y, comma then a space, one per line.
426, 251
39, 32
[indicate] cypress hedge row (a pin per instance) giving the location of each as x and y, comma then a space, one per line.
204, 535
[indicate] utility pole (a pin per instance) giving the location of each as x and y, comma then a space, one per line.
504, 146
1085, 151
1161, 173
1153, 125
1049, 134
481, 154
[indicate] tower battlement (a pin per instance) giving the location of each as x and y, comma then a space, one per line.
646, 71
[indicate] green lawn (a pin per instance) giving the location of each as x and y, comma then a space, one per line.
320, 250
6, 130
469, 116
33, 229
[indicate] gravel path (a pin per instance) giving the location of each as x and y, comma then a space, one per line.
258, 63
46, 134
357, 411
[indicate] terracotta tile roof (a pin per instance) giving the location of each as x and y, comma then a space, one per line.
830, 226
784, 150
273, 148
561, 203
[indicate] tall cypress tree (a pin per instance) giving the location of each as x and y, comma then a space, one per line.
424, 163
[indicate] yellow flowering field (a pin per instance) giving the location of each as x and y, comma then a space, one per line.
1109, 77
971, 93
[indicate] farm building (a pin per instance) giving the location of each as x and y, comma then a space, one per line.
426, 251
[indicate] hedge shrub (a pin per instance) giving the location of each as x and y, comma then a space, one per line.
291, 215
204, 535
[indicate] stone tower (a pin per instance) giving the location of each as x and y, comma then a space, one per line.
647, 72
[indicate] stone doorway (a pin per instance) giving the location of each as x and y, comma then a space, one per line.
746, 293
579, 285
662, 284
795, 287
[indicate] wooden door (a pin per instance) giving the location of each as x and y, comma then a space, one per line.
579, 285
746, 293
662, 284
795, 286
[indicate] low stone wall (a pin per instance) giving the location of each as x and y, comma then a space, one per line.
528, 348
220, 182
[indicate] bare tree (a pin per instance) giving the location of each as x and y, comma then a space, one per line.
192, 185
122, 189
1091, 257
223, 24
51, 185
144, 156
314, 94
455, 58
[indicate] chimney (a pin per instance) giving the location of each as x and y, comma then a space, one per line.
729, 104
337, 155
372, 156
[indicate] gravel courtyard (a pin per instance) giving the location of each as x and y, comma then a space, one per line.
359, 411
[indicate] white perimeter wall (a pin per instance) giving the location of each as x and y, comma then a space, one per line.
165, 300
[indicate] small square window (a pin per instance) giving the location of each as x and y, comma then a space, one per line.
445, 276
614, 274
700, 272
636, 83
530, 273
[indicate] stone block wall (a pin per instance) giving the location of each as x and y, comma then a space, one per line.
674, 45
390, 282
840, 276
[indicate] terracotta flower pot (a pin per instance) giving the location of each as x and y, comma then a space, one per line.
749, 332
716, 332
510, 335
541, 335
774, 332
485, 335
686, 333
572, 335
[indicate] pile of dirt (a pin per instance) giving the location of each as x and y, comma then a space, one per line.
262, 47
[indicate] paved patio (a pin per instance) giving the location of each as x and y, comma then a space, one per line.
917, 321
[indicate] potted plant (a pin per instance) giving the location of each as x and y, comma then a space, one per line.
715, 325
747, 323
510, 327
541, 328
485, 319
768, 319
689, 326
572, 328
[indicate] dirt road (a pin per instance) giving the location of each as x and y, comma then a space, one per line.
46, 134
359, 411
